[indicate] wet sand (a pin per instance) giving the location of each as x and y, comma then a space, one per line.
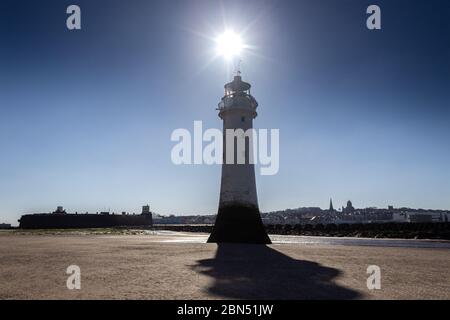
166, 265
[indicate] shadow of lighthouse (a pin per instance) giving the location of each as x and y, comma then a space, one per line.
246, 271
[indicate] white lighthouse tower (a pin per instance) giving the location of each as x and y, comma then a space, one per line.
238, 219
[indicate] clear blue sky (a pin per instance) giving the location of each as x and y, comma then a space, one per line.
86, 116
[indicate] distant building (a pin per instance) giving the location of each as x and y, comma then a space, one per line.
331, 206
420, 217
5, 226
60, 210
349, 208
399, 217
146, 209
61, 219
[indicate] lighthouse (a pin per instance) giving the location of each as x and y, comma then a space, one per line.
238, 218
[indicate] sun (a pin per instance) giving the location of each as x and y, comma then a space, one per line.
229, 44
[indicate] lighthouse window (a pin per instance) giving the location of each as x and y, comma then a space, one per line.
243, 119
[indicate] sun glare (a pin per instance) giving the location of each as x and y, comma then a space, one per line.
229, 44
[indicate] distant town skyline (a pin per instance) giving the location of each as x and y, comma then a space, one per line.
86, 115
344, 205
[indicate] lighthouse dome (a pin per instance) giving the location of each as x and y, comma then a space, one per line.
237, 85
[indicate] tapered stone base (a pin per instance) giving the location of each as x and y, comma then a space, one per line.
239, 224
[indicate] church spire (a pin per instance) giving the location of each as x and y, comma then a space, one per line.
331, 205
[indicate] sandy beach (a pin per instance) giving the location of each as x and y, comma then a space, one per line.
168, 265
